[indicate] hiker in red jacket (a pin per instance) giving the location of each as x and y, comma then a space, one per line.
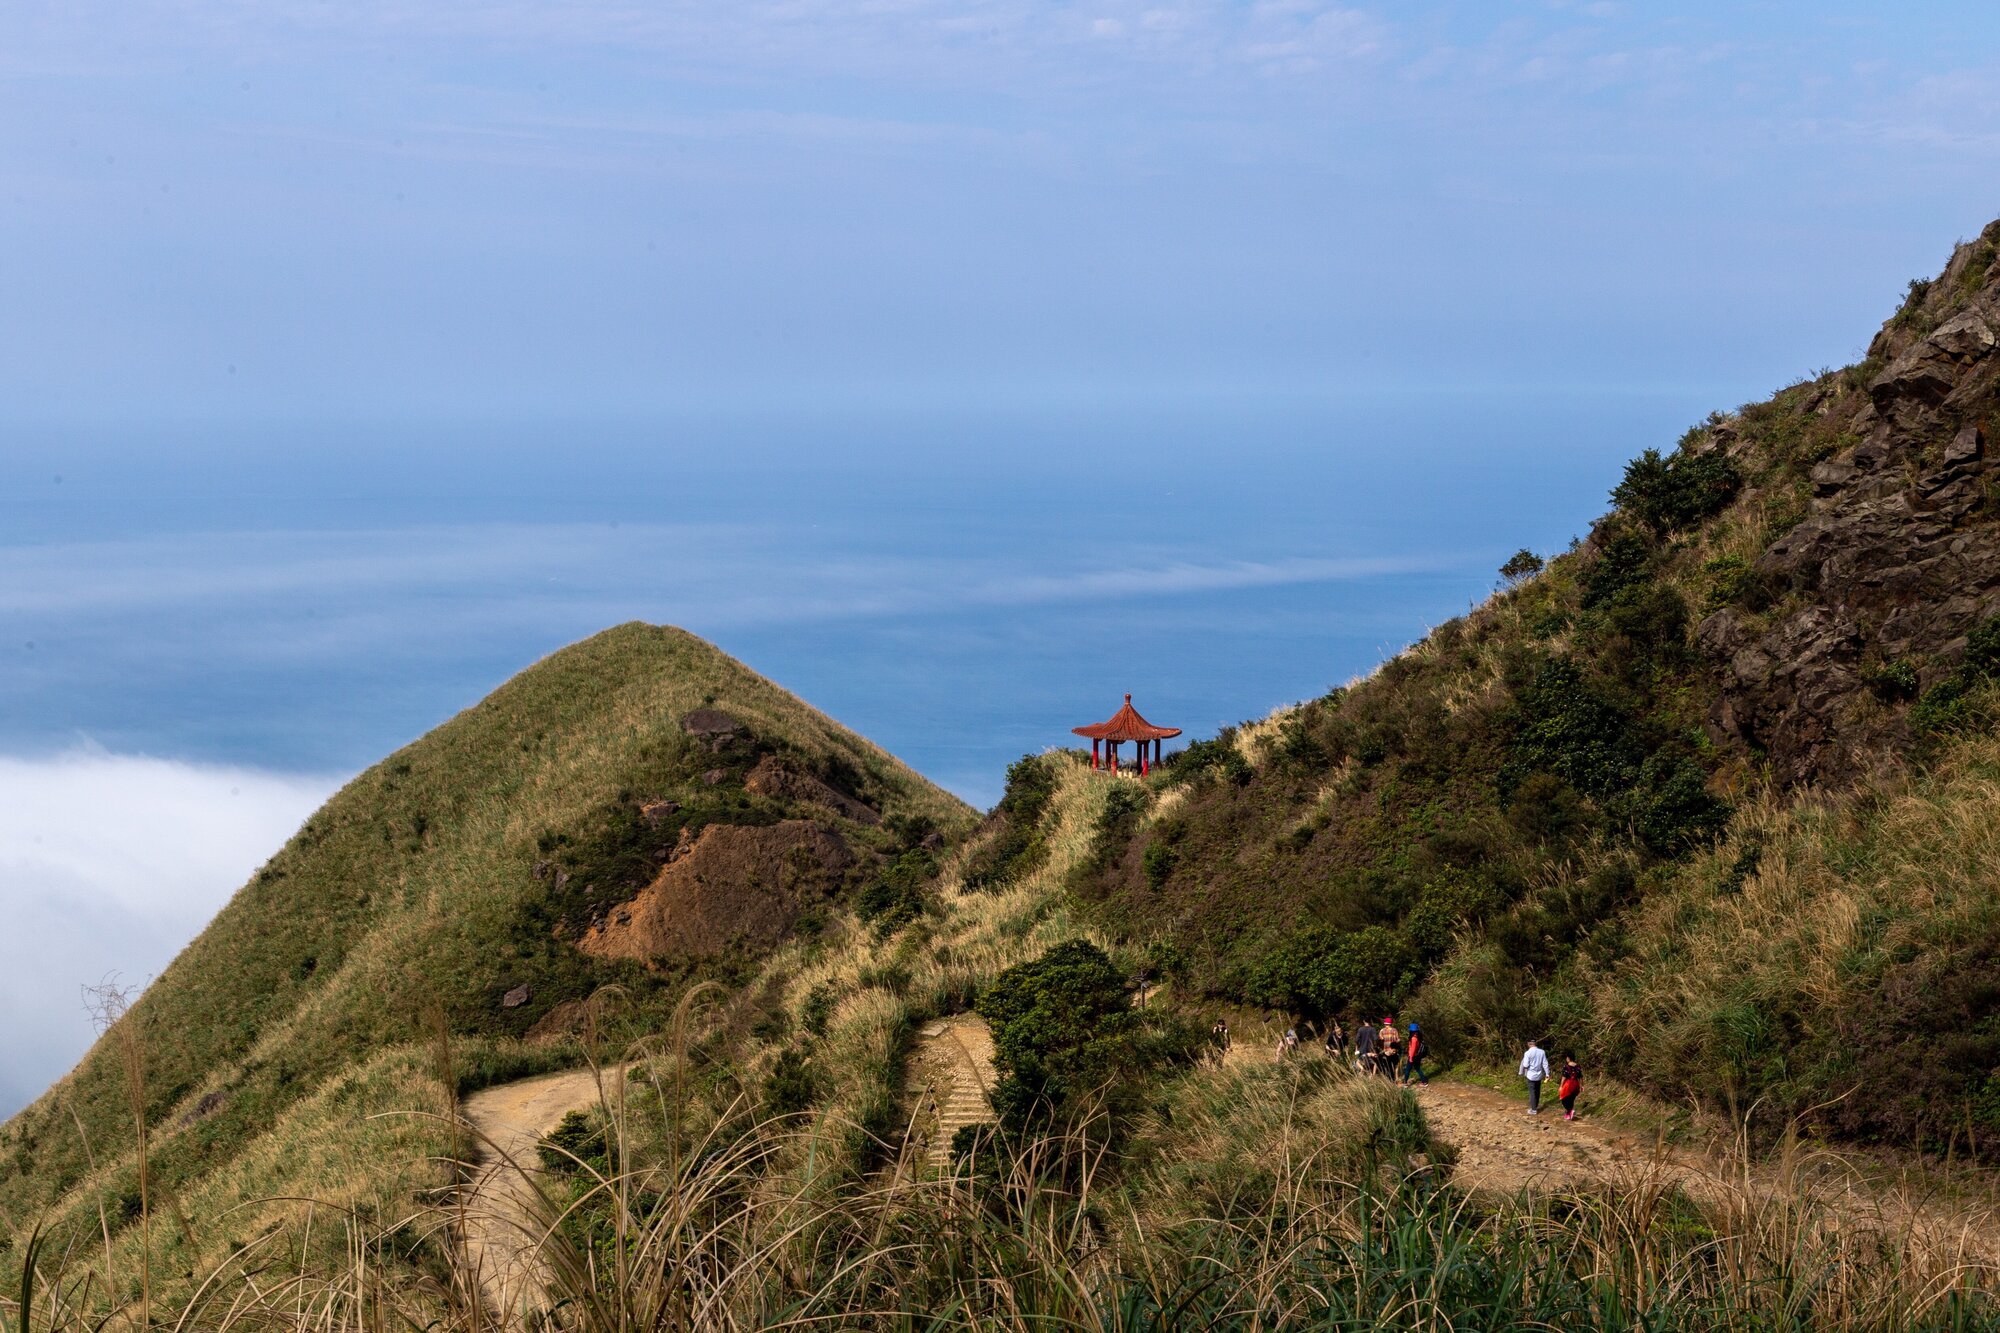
1413, 1056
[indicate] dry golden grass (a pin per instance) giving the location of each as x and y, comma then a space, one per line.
1919, 874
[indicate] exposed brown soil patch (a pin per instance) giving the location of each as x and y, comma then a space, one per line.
733, 886
773, 779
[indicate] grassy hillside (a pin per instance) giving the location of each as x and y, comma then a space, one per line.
444, 894
1707, 797
764, 1166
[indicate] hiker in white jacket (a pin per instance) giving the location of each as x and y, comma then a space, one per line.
1534, 1068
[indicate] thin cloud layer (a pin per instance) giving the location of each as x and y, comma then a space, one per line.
720, 576
109, 864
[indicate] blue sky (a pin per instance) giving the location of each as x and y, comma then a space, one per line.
959, 365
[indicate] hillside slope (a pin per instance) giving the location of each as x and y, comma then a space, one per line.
1778, 650
463, 888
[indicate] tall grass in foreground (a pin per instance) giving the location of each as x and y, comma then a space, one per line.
1270, 1200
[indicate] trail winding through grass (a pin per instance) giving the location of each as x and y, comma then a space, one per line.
500, 1228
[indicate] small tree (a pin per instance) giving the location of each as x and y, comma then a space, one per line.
1520, 567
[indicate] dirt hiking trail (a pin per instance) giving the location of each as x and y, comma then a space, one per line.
499, 1230
1504, 1150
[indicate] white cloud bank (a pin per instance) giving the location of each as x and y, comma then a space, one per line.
109, 865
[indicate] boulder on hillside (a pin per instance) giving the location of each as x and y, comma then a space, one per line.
711, 726
773, 779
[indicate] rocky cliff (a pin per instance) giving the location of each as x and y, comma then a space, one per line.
1898, 554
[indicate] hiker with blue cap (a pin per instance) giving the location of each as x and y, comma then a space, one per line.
1413, 1056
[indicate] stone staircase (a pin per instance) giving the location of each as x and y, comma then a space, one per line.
951, 1073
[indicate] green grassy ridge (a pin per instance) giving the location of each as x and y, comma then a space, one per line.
1479, 833
412, 895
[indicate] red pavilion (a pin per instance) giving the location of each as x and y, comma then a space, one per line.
1126, 725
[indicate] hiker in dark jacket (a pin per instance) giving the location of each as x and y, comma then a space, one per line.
1572, 1084
1336, 1038
1364, 1047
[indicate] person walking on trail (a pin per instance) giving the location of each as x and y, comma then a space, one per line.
1388, 1047
1336, 1038
1572, 1084
1364, 1047
1413, 1057
1534, 1068
1219, 1034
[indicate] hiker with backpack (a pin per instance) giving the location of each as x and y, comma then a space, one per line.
1413, 1058
1364, 1047
1336, 1037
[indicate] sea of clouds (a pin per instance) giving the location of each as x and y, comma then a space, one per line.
109, 863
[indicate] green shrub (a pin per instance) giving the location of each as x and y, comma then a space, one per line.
1060, 1027
900, 894
1913, 299
1671, 493
1562, 725
1958, 701
1158, 863
1892, 682
818, 1008
1016, 846
1982, 650
1543, 808
1218, 757
793, 1085
1673, 811
1621, 563
582, 1141
1445, 906
1652, 621
1054, 1006
1323, 970
1727, 580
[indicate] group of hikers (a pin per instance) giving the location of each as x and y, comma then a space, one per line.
1398, 1053
1386, 1051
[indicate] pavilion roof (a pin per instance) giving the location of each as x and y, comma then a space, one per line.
1126, 725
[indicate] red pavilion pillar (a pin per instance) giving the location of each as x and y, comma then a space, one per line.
1093, 754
